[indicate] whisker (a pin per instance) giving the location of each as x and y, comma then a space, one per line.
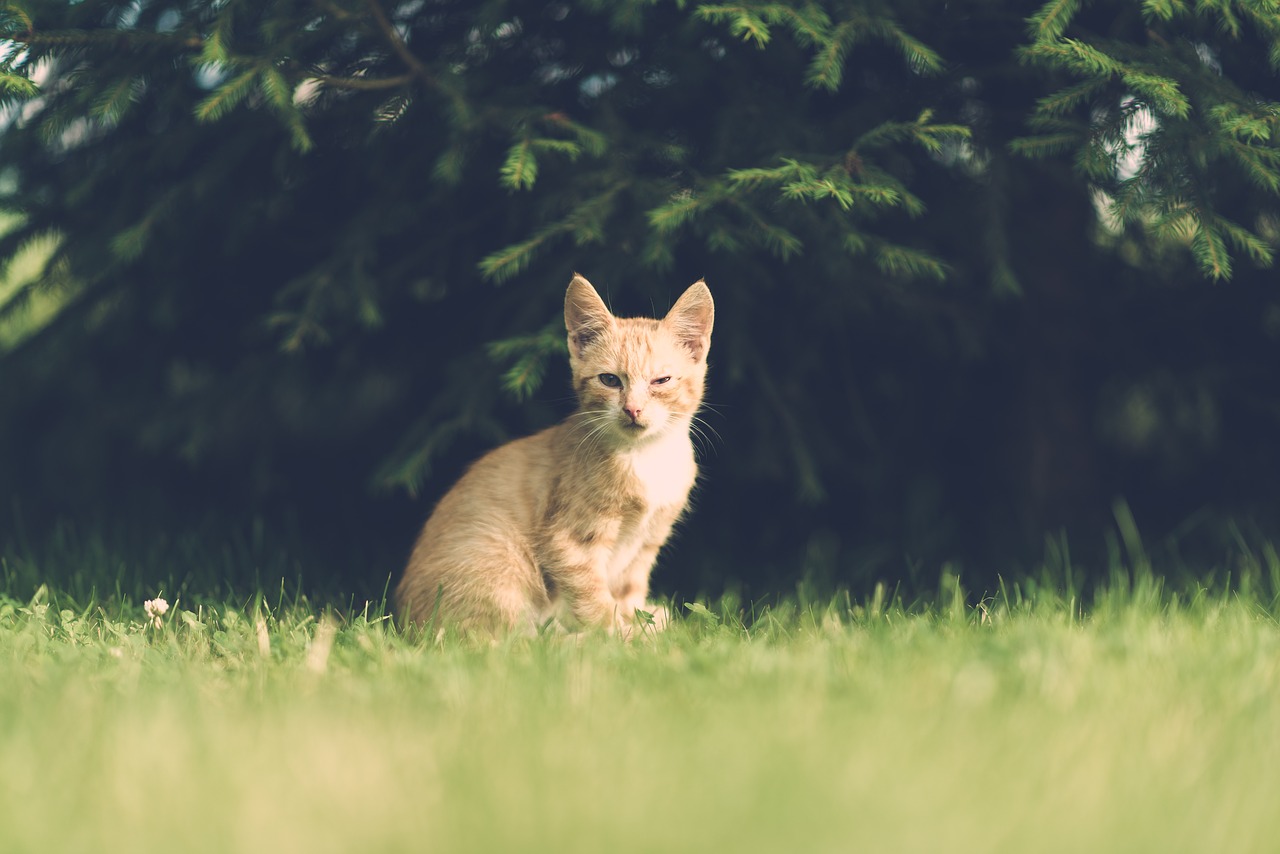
596, 424
700, 438
704, 426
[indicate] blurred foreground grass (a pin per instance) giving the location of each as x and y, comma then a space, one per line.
1145, 722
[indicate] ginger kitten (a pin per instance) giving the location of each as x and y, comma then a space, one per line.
567, 523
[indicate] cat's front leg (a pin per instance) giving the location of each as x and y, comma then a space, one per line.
632, 586
632, 592
574, 564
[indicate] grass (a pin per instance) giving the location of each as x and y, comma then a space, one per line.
1144, 722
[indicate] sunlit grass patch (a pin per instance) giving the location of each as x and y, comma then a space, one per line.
1020, 725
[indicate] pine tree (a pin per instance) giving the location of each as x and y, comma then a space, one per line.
1160, 120
263, 230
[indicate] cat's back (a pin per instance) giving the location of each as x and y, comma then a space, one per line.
502, 491
474, 553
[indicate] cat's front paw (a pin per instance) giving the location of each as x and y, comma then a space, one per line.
631, 621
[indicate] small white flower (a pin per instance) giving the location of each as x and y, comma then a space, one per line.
155, 609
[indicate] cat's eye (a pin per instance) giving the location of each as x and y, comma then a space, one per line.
610, 380
661, 380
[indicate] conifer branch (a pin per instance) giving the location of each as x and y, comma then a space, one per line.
528, 355
520, 169
1248, 242
449, 165
398, 45
1051, 20
1069, 98
364, 84
115, 100
123, 39
677, 211
591, 141
224, 99
1210, 250
1161, 92
896, 260
826, 69
510, 261
920, 57
14, 86
1055, 138
743, 22
1164, 10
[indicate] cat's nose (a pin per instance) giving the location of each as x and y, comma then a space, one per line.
632, 412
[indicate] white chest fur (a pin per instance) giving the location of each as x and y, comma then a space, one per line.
663, 471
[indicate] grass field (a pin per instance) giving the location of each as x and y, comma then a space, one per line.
1143, 722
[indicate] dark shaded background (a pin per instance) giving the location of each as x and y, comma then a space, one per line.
280, 342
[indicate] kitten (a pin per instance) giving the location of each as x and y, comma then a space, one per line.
566, 524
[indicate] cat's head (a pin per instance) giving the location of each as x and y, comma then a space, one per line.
638, 378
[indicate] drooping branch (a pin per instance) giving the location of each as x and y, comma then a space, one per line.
121, 37
397, 43
365, 84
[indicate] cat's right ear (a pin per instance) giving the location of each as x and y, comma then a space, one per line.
586, 317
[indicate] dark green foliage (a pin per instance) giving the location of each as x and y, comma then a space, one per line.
1165, 96
308, 250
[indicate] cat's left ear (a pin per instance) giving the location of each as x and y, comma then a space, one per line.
691, 318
